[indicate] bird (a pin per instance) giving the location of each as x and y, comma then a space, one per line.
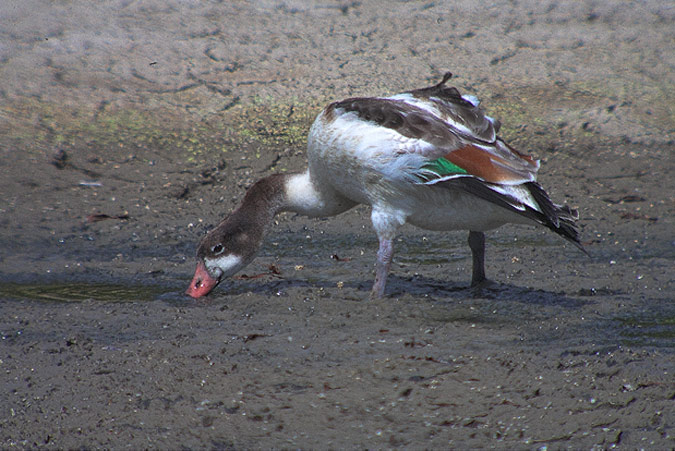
430, 157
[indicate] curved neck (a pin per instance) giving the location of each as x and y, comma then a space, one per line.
242, 231
265, 198
262, 201
288, 192
282, 192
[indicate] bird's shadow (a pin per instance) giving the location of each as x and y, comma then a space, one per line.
490, 291
418, 286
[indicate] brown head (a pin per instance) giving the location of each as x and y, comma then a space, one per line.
223, 252
234, 243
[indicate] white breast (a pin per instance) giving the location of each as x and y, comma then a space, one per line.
359, 158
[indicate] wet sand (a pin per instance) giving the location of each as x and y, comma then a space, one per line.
128, 129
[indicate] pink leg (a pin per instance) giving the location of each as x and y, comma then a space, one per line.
385, 223
384, 256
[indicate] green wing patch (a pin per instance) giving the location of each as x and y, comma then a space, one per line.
442, 167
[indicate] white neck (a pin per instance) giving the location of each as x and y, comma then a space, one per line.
303, 195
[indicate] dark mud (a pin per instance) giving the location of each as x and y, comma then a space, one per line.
127, 130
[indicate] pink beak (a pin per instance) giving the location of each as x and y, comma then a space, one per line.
202, 283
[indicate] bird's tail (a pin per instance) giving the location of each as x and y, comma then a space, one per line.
559, 218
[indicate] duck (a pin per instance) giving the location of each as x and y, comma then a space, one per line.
429, 157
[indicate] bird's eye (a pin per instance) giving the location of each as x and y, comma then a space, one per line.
217, 249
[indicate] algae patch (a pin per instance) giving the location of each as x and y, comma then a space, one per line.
269, 125
653, 329
78, 292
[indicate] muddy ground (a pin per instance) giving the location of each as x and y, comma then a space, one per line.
128, 128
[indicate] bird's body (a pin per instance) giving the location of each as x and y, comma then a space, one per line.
429, 157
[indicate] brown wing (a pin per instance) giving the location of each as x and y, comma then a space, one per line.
450, 126
457, 110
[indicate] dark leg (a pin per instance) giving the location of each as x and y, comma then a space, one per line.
477, 245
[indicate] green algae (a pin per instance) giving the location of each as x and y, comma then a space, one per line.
41, 127
543, 117
78, 292
647, 329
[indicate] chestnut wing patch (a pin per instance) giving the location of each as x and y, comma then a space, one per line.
478, 162
494, 164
